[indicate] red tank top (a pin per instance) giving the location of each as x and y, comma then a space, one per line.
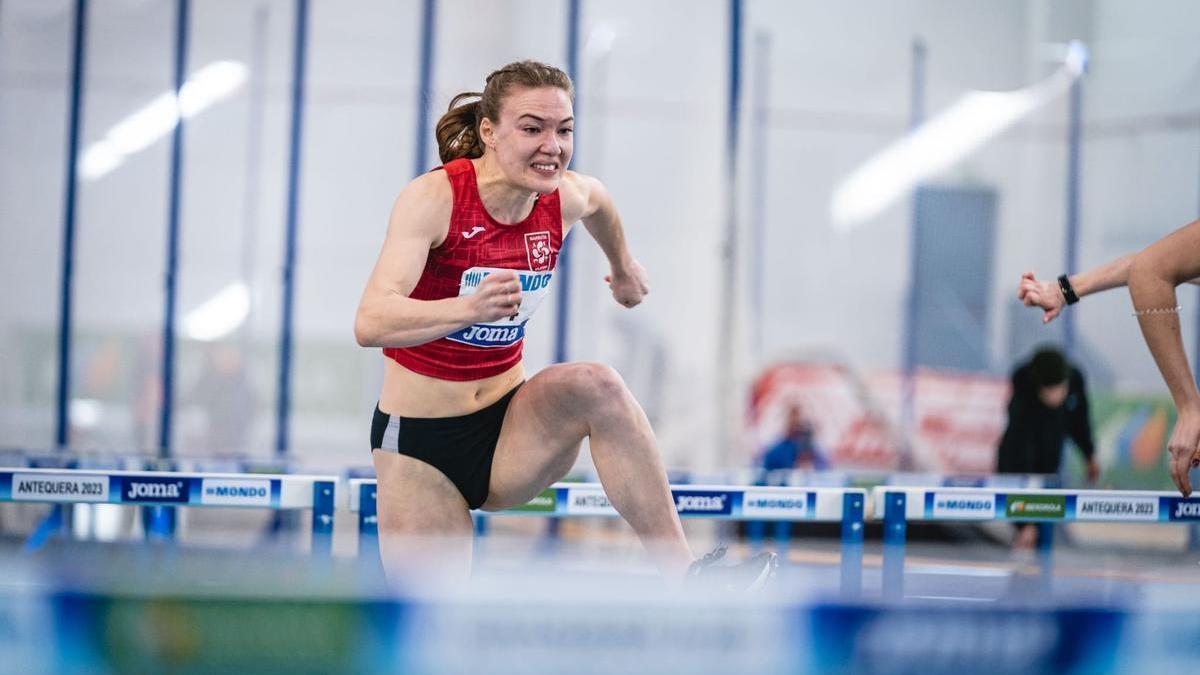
476, 245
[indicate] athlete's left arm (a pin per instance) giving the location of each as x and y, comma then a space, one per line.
586, 198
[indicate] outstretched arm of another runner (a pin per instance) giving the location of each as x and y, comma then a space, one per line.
1047, 295
1153, 276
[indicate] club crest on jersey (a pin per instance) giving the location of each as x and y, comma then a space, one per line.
537, 248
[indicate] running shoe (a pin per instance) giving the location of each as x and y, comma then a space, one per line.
746, 576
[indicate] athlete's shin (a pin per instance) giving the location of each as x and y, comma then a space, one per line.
628, 463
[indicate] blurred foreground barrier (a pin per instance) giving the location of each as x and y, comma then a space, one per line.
498, 632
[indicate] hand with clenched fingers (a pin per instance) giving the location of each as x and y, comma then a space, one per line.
1184, 447
629, 287
498, 297
1044, 294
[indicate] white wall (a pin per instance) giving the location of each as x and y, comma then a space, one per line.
652, 120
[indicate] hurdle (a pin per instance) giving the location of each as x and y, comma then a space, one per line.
897, 506
713, 502
866, 479
167, 489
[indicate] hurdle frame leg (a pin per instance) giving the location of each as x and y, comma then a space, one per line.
783, 534
550, 538
852, 544
1045, 556
368, 521
756, 534
158, 522
55, 522
895, 532
322, 517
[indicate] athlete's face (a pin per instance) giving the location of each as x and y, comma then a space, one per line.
532, 139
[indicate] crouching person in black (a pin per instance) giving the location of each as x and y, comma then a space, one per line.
1049, 403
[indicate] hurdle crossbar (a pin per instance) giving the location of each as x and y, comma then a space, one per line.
897, 506
172, 489
717, 502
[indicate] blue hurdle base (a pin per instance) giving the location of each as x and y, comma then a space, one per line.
158, 523
52, 524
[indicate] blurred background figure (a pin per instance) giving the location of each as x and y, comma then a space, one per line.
226, 396
1048, 404
797, 449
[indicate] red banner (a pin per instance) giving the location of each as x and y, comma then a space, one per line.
957, 418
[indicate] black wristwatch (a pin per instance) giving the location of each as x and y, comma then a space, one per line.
1064, 284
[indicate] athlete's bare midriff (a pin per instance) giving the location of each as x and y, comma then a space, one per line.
410, 394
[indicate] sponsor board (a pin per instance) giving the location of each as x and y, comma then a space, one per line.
235, 492
964, 506
589, 502
1183, 509
1037, 507
775, 505
157, 490
543, 503
703, 503
1116, 508
51, 488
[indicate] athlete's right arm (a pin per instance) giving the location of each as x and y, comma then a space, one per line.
386, 316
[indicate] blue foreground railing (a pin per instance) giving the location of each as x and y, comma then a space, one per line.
161, 491
718, 502
537, 627
897, 506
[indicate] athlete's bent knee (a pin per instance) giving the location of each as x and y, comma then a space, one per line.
598, 383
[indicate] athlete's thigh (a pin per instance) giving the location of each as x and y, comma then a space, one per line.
415, 499
540, 439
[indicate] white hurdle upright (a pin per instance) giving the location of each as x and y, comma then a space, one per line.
897, 506
172, 489
719, 502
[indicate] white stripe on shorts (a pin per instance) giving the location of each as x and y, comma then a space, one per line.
391, 435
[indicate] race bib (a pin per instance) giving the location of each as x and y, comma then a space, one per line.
534, 288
